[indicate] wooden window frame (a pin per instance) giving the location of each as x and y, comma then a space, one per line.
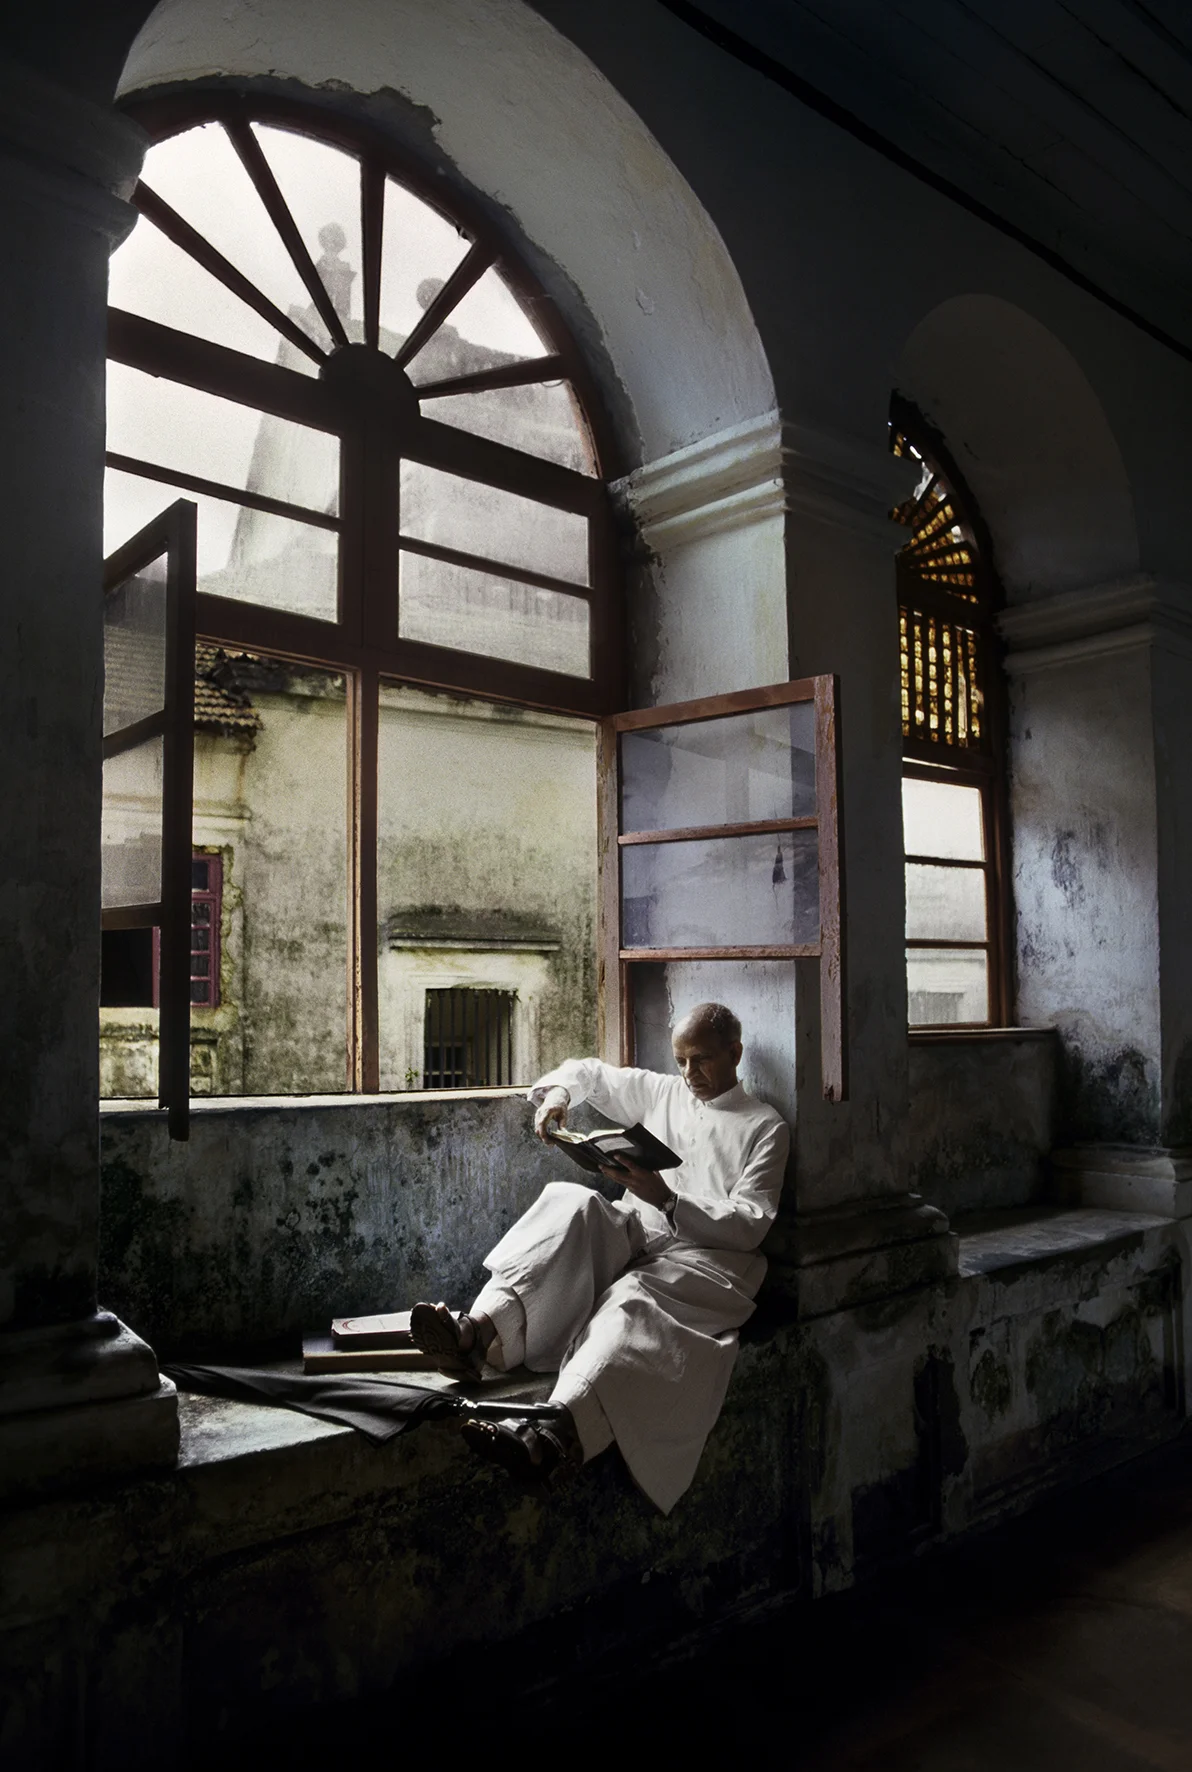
981, 766
378, 424
171, 535
618, 961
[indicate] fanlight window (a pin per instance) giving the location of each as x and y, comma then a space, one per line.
396, 463
374, 409
953, 789
941, 613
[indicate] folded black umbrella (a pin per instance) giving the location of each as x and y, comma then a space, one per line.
379, 1408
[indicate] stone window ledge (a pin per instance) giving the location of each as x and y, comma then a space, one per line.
1034, 1235
941, 1036
231, 1104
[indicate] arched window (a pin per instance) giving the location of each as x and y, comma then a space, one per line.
953, 775
397, 464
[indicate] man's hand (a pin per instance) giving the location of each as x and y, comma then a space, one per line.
647, 1184
552, 1113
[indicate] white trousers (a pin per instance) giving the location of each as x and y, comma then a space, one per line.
640, 1326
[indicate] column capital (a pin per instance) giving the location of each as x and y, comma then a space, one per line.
726, 481
763, 468
57, 147
845, 481
1098, 621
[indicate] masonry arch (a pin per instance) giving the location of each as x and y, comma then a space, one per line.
489, 94
1032, 440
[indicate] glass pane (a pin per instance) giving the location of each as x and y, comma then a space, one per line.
486, 878
275, 801
478, 519
945, 904
942, 818
150, 276
321, 186
200, 175
541, 418
192, 432
761, 993
134, 648
489, 326
946, 985
419, 251
722, 892
131, 830
731, 771
249, 555
447, 605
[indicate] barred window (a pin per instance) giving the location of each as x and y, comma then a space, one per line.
469, 1039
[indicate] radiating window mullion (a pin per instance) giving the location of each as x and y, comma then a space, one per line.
478, 260
372, 234
175, 228
278, 210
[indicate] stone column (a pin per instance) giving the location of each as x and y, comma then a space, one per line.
80, 1395
772, 555
851, 1230
1101, 734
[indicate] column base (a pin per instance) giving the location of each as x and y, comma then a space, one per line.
81, 1403
1125, 1178
845, 1256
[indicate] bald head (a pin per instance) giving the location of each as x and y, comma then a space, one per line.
707, 1047
714, 1019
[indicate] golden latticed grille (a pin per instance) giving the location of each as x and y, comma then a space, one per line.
942, 612
953, 793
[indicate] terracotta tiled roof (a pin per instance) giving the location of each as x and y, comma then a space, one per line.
219, 709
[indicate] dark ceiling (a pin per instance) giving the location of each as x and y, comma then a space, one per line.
1068, 121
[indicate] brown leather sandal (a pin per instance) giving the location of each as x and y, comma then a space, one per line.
540, 1456
440, 1335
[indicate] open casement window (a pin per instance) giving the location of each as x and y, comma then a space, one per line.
148, 768
720, 842
954, 806
392, 441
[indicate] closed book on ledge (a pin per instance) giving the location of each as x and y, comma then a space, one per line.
391, 1330
322, 1354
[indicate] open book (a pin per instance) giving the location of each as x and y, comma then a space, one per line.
591, 1150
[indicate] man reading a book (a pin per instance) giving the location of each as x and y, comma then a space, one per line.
635, 1303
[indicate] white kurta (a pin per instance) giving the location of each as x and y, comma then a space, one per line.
639, 1306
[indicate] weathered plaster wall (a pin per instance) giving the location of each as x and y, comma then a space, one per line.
1171, 710
982, 1121
486, 841
272, 1219
1086, 885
